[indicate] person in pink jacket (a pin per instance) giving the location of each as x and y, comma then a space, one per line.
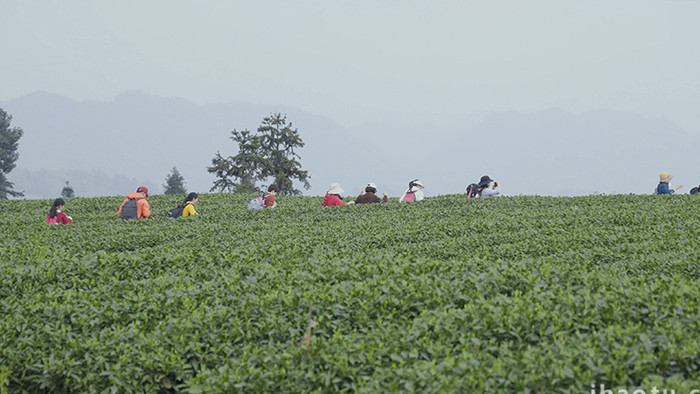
332, 197
55, 216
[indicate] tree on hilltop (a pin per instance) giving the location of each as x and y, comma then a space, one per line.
9, 138
174, 183
267, 154
67, 191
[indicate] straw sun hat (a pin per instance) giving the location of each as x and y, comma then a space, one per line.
665, 177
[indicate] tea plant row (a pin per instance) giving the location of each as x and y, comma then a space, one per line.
446, 295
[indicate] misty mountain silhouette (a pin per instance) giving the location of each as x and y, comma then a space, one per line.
141, 137
555, 152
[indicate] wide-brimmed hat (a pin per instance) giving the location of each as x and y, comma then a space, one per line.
665, 177
143, 189
372, 185
485, 180
417, 182
335, 189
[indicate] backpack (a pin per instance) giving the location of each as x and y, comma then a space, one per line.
473, 191
409, 197
175, 212
130, 209
257, 203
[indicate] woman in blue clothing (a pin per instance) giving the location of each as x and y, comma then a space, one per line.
664, 188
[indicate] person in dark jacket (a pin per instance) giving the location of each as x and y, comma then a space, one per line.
488, 191
369, 195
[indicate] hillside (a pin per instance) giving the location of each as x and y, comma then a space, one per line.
514, 294
143, 137
554, 152
49, 183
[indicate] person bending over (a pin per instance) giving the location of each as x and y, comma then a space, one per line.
135, 205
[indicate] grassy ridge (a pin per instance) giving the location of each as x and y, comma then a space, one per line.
449, 294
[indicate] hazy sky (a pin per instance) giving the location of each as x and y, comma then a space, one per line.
364, 61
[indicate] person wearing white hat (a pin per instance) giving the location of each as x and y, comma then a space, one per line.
333, 198
369, 196
663, 188
414, 192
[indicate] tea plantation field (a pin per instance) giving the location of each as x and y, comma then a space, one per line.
521, 294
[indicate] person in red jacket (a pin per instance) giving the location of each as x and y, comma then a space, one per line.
55, 216
333, 198
143, 210
269, 200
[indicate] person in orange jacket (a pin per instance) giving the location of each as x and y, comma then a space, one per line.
135, 205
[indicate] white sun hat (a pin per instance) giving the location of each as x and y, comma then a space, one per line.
372, 185
335, 189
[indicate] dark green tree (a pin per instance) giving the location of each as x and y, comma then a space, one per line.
9, 138
239, 173
268, 154
174, 183
67, 191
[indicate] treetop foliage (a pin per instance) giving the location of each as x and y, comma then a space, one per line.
268, 154
67, 191
174, 183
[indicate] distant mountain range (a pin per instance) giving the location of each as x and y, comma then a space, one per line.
138, 138
558, 153
142, 137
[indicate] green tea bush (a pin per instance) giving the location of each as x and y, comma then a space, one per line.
445, 295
